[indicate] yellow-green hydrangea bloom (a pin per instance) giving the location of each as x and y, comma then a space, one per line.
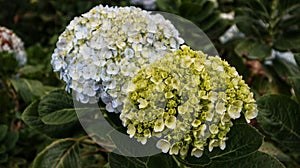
188, 99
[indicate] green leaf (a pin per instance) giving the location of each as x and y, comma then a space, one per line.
243, 140
3, 131
206, 10
244, 47
259, 51
57, 108
55, 100
31, 117
192, 161
189, 9
270, 149
38, 55
285, 68
59, 117
288, 5
256, 159
63, 153
288, 41
11, 140
290, 20
29, 89
168, 5
219, 28
3, 158
31, 70
253, 50
250, 27
297, 58
106, 165
201, 14
210, 21
195, 11
2, 149
279, 117
159, 160
8, 63
254, 9
295, 82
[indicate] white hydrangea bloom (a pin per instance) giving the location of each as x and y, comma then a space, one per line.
11, 43
107, 46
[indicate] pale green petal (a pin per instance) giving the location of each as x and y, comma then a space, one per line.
143, 103
170, 122
174, 149
196, 152
184, 150
143, 140
212, 143
222, 144
214, 129
196, 123
234, 111
159, 125
220, 108
131, 130
203, 128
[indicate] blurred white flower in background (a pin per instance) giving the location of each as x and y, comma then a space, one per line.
232, 33
11, 43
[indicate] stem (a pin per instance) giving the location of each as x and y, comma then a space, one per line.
94, 152
89, 142
179, 164
273, 20
13, 95
93, 143
89, 153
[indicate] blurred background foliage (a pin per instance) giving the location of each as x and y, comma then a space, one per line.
261, 38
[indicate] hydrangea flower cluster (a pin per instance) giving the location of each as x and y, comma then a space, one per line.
11, 43
188, 100
100, 51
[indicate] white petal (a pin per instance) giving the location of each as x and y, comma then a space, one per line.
174, 150
196, 152
170, 122
143, 140
164, 145
213, 129
220, 107
131, 130
222, 145
159, 125
234, 112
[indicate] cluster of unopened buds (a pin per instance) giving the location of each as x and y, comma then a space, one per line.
136, 63
11, 43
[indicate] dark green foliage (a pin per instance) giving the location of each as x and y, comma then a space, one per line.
159, 160
39, 126
203, 13
279, 118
